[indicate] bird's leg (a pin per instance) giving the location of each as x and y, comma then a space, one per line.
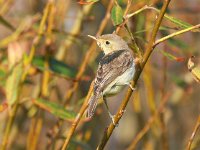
132, 88
107, 108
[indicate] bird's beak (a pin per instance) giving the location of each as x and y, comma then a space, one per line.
93, 37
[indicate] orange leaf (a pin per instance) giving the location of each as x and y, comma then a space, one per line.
82, 2
3, 106
180, 59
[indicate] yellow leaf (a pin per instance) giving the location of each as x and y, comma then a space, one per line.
194, 68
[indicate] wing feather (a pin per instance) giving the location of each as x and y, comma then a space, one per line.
110, 67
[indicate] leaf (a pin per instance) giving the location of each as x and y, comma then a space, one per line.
2, 77
178, 80
2, 73
178, 43
78, 144
55, 66
82, 2
13, 83
172, 57
194, 69
3, 106
117, 15
6, 23
55, 109
178, 22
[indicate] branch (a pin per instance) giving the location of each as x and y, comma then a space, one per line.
79, 75
197, 126
148, 52
176, 33
11, 118
78, 118
87, 57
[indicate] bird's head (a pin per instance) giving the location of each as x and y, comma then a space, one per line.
110, 42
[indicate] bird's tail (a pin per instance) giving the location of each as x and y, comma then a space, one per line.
92, 106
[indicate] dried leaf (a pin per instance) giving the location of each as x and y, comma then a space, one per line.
3, 106
194, 68
82, 2
15, 53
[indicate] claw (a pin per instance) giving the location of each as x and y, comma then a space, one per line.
113, 120
132, 88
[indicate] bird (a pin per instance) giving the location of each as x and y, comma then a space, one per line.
115, 70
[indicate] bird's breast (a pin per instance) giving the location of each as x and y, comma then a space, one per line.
116, 85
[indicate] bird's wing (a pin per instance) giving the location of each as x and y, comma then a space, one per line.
110, 67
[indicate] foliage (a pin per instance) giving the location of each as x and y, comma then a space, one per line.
47, 64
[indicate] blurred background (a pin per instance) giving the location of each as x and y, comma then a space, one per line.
44, 44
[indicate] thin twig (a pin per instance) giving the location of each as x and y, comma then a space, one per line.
31, 55
87, 57
149, 123
148, 52
78, 118
197, 126
79, 75
176, 33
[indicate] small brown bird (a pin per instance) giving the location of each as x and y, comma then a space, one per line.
116, 69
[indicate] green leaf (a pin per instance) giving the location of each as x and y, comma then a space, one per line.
2, 73
6, 23
172, 57
74, 144
117, 15
178, 80
55, 109
178, 22
13, 83
55, 66
178, 43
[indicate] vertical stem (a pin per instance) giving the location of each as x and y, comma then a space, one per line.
164, 140
87, 57
78, 118
148, 52
197, 126
8, 127
28, 63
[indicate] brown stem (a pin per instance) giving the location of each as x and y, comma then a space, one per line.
79, 75
148, 52
78, 118
197, 126
25, 73
87, 57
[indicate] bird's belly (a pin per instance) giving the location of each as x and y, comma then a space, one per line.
116, 86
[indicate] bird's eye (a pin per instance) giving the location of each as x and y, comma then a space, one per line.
107, 42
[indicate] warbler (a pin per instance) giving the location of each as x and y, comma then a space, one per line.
116, 69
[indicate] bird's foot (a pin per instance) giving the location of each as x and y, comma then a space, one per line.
112, 117
132, 88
